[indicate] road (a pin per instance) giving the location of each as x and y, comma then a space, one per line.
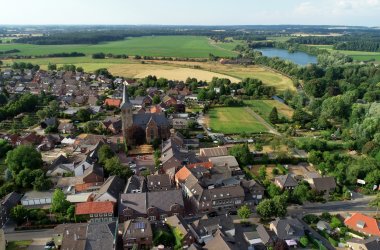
29, 235
270, 128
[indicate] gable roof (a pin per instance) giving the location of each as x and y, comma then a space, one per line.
135, 182
286, 180
11, 200
101, 235
112, 102
363, 223
113, 186
143, 119
137, 228
160, 180
323, 183
94, 208
182, 174
288, 228
213, 152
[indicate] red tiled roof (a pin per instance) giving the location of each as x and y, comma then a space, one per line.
94, 208
182, 174
207, 165
362, 223
112, 102
85, 186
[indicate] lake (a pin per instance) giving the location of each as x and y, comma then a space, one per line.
300, 58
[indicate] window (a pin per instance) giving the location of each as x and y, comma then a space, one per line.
152, 218
109, 214
162, 216
95, 215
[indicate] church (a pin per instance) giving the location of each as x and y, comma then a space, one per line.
142, 128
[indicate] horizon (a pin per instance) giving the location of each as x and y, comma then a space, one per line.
362, 13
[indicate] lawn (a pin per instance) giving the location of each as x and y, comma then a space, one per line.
18, 245
264, 107
233, 120
175, 46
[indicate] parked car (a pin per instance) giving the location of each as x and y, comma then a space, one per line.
212, 214
232, 212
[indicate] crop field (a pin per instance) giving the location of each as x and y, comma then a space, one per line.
264, 107
356, 55
233, 120
175, 46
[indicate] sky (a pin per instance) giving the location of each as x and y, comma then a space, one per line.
192, 12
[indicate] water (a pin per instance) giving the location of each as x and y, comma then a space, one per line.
300, 58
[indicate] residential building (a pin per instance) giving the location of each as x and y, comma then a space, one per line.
213, 152
372, 243
183, 228
137, 233
253, 189
152, 205
288, 229
285, 182
324, 185
136, 184
96, 211
158, 182
111, 189
363, 223
6, 205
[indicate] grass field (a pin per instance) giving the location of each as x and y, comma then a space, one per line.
356, 55
233, 120
264, 107
18, 245
175, 46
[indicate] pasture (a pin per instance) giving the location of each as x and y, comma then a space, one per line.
233, 120
159, 46
356, 55
264, 107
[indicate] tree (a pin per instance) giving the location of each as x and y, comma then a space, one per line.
156, 99
83, 115
281, 245
59, 203
304, 241
265, 209
24, 179
4, 147
104, 153
335, 223
273, 190
41, 183
113, 166
242, 153
70, 213
244, 212
19, 213
27, 121
376, 203
157, 159
280, 202
52, 66
300, 193
262, 172
273, 116
24, 156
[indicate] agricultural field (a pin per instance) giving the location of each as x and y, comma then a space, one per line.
264, 107
174, 46
233, 120
356, 55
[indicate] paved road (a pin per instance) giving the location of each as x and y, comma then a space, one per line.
29, 235
317, 236
270, 128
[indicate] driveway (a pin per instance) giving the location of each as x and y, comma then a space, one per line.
38, 244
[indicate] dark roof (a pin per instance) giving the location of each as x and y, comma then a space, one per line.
101, 235
114, 185
220, 242
143, 119
288, 228
209, 225
94, 169
136, 182
324, 183
287, 180
11, 200
157, 181
252, 184
264, 234
140, 202
137, 228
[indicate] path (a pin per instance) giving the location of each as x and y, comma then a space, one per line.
270, 128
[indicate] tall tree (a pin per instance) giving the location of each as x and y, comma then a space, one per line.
59, 203
24, 156
273, 116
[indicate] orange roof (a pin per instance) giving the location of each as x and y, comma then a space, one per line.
182, 174
94, 208
207, 165
362, 223
84, 186
155, 109
112, 102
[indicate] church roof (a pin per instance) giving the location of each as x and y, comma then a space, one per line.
126, 103
143, 119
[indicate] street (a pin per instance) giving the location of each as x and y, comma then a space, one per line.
29, 235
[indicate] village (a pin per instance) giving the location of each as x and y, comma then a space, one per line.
112, 163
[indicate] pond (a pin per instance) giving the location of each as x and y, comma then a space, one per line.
300, 58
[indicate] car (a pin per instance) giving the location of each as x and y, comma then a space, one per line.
209, 129
50, 245
232, 212
212, 214
142, 169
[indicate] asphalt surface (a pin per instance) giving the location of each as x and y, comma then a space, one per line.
29, 235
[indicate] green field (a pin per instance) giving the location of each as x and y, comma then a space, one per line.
233, 120
264, 107
356, 55
175, 46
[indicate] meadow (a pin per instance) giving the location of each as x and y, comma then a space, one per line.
264, 107
160, 46
356, 55
233, 120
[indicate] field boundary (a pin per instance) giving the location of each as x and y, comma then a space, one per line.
270, 128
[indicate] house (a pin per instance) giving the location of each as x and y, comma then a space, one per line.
363, 223
136, 184
252, 237
48, 122
228, 161
66, 128
111, 189
6, 205
93, 174
372, 243
288, 229
80, 198
153, 205
158, 182
285, 182
112, 124
213, 152
83, 236
110, 102
137, 233
220, 242
37, 199
265, 235
96, 211
61, 169
323, 184
206, 227
181, 225
253, 189
323, 226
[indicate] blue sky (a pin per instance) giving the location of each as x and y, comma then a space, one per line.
191, 12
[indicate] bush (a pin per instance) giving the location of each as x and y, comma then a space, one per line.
304, 241
310, 219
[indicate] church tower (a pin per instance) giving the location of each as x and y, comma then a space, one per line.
126, 112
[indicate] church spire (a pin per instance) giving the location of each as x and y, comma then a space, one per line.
126, 103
